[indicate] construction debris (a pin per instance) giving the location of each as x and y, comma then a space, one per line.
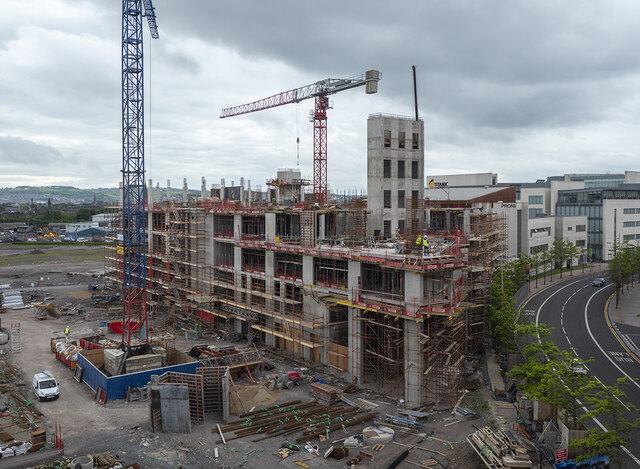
499, 449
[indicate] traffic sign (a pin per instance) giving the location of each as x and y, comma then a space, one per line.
561, 455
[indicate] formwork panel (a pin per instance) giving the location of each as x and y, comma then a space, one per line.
196, 392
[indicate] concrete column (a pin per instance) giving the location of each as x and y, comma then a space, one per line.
210, 243
185, 191
169, 189
237, 227
157, 196
150, 201
322, 225
270, 273
307, 270
355, 344
270, 227
413, 363
270, 339
237, 267
203, 188
353, 279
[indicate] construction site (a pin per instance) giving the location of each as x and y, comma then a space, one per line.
369, 293
308, 284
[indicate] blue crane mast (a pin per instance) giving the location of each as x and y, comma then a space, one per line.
134, 309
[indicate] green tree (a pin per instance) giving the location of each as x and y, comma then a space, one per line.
620, 268
501, 311
572, 252
562, 250
547, 373
608, 401
547, 258
535, 262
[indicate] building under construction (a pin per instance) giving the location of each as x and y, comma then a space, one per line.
308, 282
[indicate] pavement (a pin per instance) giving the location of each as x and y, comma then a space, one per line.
624, 320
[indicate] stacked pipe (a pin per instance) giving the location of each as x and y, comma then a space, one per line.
311, 417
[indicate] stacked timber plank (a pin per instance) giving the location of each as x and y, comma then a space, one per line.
499, 449
325, 394
310, 419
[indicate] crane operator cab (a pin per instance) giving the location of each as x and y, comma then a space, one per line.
45, 386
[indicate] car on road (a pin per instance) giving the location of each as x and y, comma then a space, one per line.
598, 282
578, 367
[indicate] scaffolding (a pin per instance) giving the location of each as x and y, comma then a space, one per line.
382, 344
444, 353
414, 225
487, 247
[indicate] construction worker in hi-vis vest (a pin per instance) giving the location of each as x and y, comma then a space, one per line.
425, 245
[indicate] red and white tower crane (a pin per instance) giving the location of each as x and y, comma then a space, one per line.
320, 91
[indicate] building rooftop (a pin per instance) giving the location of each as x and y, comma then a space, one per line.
461, 193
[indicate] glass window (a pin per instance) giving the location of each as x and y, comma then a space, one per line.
401, 139
415, 142
386, 168
387, 199
400, 199
535, 199
401, 169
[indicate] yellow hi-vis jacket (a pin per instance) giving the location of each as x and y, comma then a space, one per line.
425, 242
66, 330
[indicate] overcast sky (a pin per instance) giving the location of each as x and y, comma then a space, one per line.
526, 89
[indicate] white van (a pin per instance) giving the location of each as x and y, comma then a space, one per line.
45, 386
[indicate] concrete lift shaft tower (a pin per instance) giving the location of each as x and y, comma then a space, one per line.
134, 200
320, 91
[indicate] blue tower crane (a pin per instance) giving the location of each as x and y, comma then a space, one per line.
134, 311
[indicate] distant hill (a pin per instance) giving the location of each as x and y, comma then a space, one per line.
65, 194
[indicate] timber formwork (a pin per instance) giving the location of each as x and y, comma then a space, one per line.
195, 385
212, 388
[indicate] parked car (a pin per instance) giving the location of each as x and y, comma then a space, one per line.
45, 386
598, 282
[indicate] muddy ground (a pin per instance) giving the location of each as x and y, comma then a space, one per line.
123, 428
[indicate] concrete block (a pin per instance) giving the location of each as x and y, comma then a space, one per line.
143, 363
112, 360
160, 351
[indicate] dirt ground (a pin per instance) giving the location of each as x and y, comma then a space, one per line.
124, 429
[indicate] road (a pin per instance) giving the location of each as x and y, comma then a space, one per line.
576, 311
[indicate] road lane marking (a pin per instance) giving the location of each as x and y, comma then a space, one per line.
604, 429
586, 320
613, 331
